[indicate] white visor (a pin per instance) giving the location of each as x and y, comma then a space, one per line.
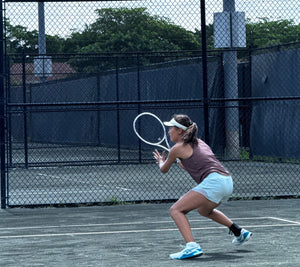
175, 123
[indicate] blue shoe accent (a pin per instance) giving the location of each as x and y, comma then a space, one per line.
244, 237
188, 252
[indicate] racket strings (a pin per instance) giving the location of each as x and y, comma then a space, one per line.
150, 129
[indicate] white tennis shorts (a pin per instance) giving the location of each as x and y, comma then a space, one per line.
215, 187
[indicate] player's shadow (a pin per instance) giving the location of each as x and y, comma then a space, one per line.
221, 256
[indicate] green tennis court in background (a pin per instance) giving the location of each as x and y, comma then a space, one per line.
140, 182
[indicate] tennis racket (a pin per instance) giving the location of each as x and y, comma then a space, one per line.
151, 130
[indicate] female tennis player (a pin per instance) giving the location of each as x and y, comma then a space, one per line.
214, 184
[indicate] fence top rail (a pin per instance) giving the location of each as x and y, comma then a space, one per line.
255, 99
136, 53
182, 101
105, 103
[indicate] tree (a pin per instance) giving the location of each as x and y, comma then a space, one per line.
209, 36
131, 30
260, 34
268, 33
128, 30
19, 39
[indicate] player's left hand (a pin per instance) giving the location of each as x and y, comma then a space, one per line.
160, 158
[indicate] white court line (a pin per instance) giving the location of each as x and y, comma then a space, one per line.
137, 231
133, 231
284, 220
115, 224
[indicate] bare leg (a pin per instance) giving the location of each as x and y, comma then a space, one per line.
190, 201
217, 216
194, 200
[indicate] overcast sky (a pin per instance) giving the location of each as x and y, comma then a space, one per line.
63, 18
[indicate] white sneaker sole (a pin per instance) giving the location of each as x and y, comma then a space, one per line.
173, 257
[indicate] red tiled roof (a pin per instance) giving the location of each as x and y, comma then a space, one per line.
59, 71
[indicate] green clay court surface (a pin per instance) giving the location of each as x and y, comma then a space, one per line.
144, 235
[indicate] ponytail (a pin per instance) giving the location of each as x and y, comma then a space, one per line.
190, 134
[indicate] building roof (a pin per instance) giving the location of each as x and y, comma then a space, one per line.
60, 71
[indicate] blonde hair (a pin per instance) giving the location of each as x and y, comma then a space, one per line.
190, 134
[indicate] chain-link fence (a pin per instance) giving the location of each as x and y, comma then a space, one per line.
76, 74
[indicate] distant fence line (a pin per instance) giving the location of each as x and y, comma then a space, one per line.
70, 87
163, 82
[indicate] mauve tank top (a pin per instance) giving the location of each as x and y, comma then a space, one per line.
202, 163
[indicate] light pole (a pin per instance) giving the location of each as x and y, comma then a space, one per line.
42, 63
230, 33
42, 36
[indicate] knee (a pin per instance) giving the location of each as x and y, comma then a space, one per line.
174, 210
205, 212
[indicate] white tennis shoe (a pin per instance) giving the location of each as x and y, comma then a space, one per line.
187, 252
244, 236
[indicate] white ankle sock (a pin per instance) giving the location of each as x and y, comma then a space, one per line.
191, 244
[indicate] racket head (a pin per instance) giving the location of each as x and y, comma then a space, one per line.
151, 130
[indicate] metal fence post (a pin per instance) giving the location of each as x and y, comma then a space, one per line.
204, 73
118, 109
139, 99
25, 109
2, 114
231, 92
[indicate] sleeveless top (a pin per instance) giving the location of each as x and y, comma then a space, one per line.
203, 162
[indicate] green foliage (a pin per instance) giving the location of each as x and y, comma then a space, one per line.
209, 36
19, 39
268, 33
136, 30
244, 154
131, 30
115, 201
128, 30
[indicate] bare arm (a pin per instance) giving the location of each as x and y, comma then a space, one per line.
163, 163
